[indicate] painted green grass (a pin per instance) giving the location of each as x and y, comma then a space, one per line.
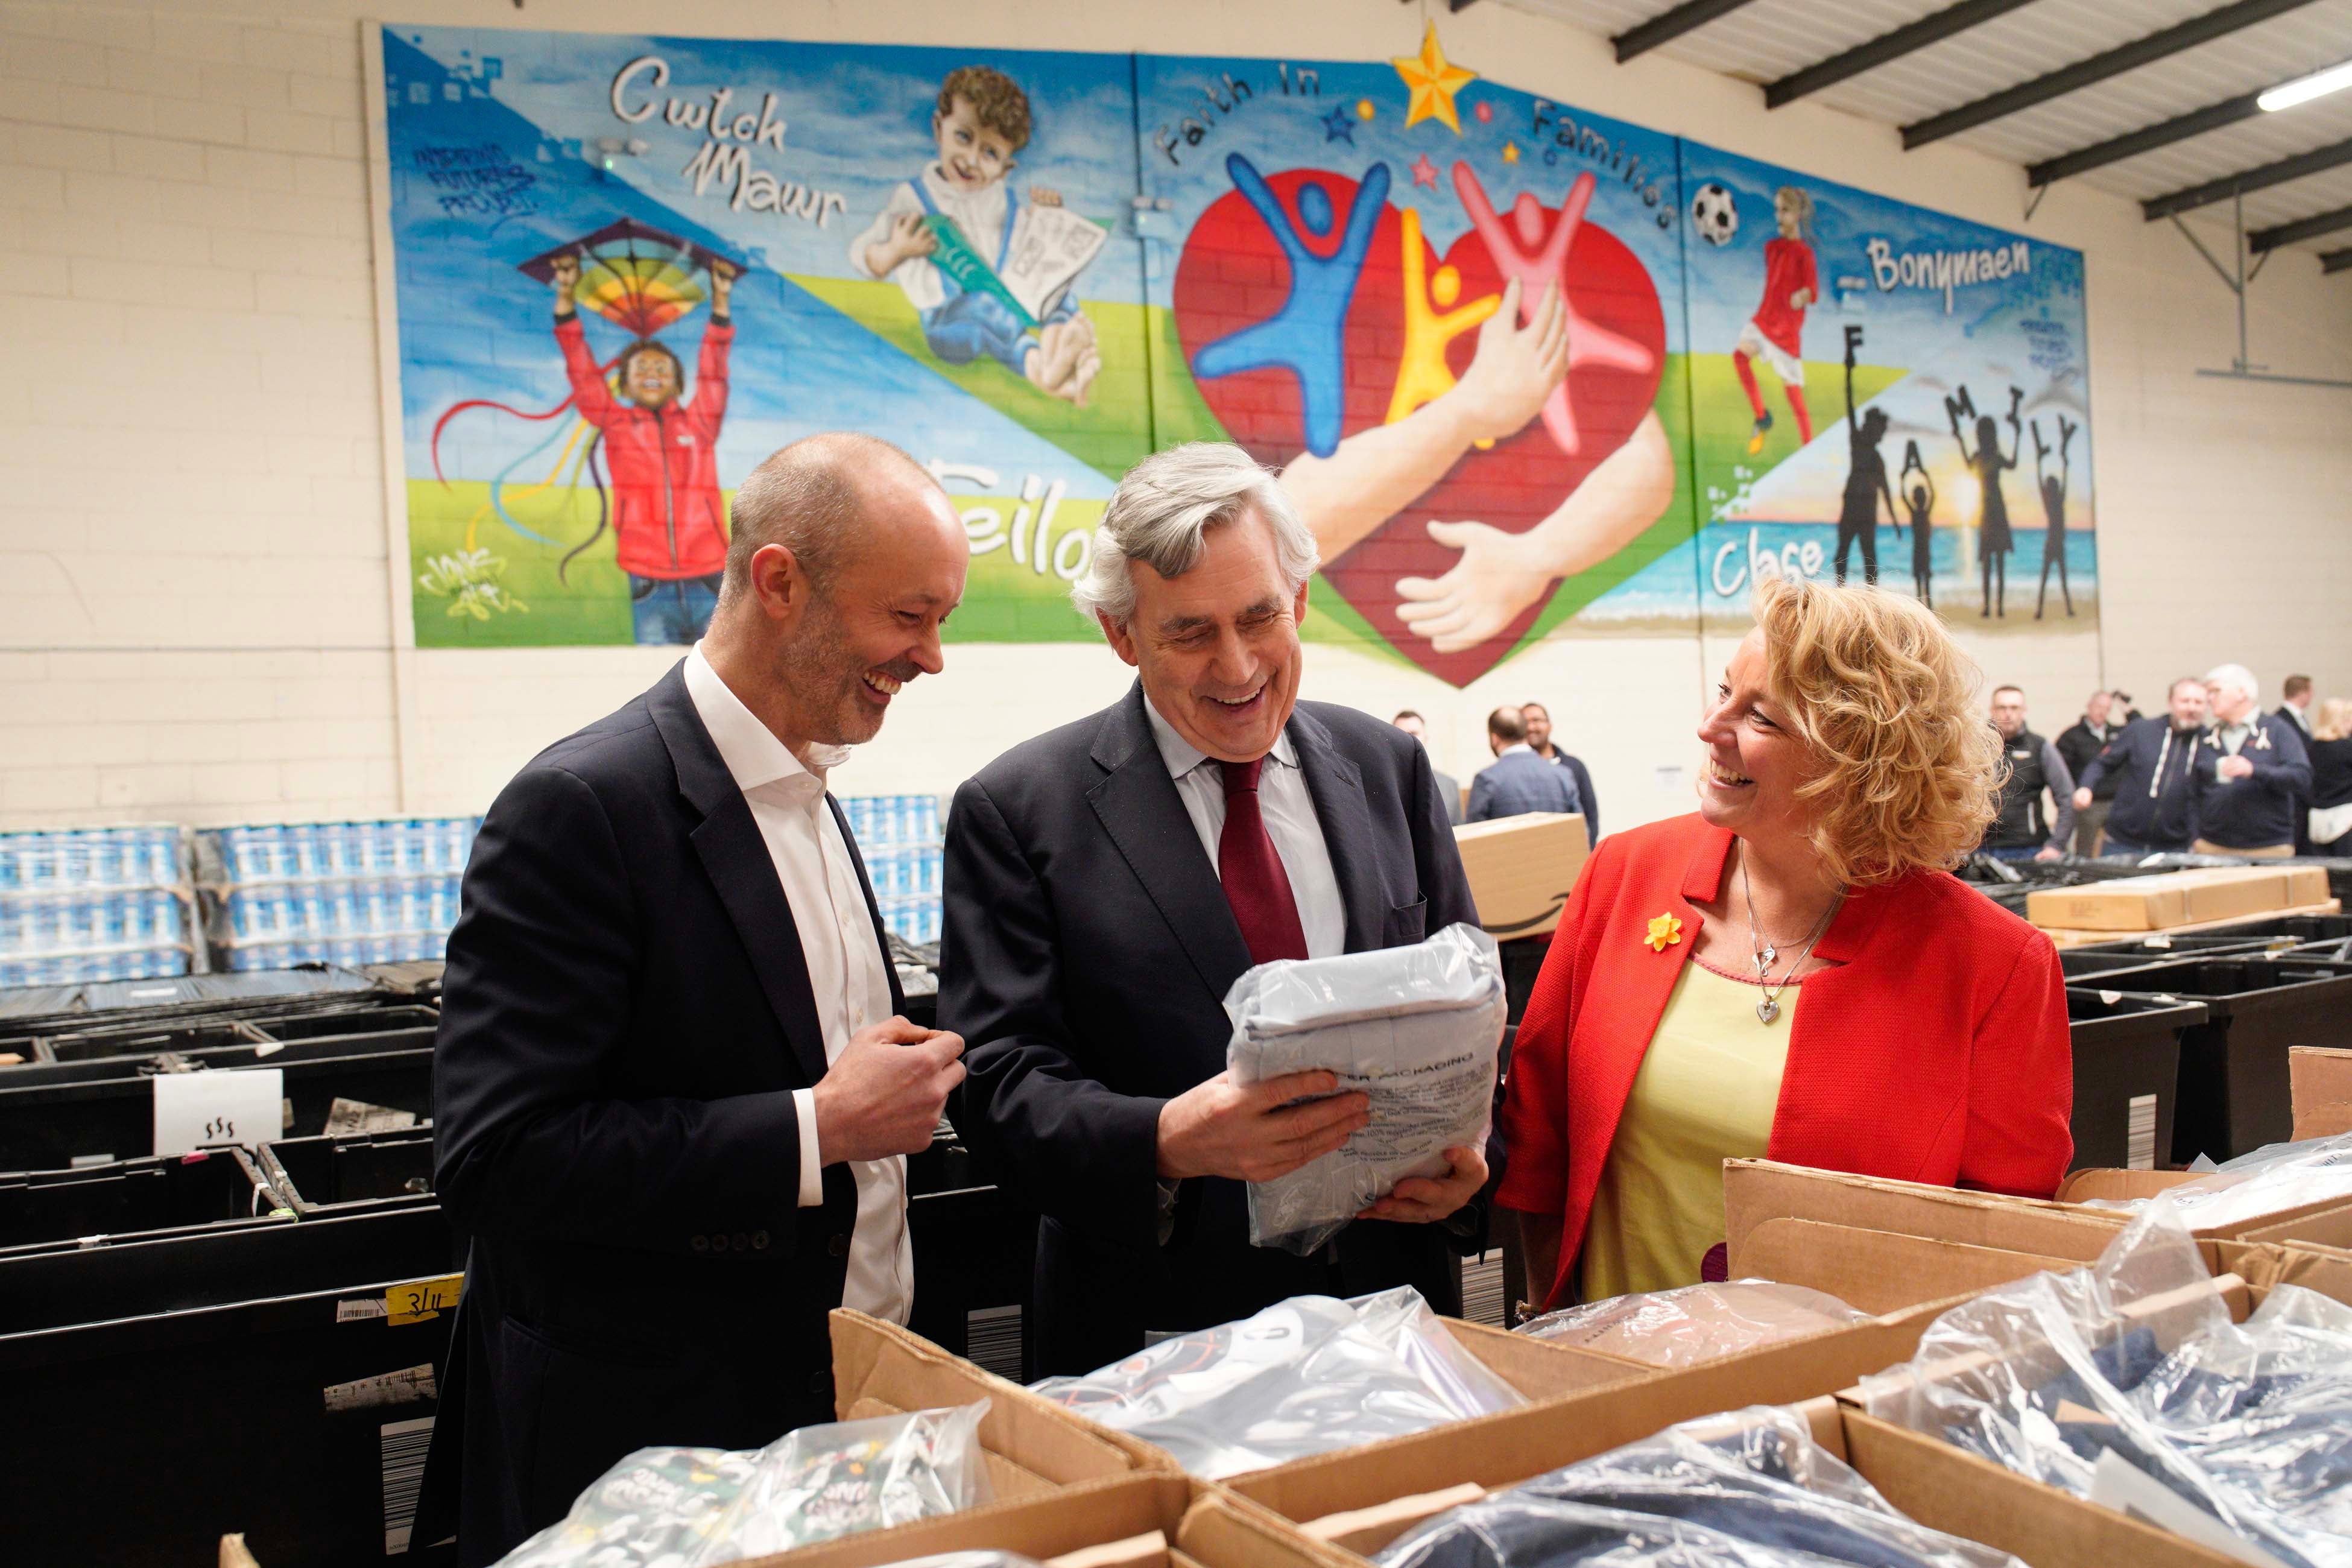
587, 604
1721, 419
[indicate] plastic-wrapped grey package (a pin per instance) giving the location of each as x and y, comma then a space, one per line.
1696, 1324
2128, 1385
691, 1507
1415, 1028
1749, 1488
969, 1560
1303, 1376
2271, 1180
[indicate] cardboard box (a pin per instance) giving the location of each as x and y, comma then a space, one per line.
2320, 1085
1521, 869
1760, 1192
1032, 1446
1136, 1521
2171, 899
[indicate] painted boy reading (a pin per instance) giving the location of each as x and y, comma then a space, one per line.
986, 275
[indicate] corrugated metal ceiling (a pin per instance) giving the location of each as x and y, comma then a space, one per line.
1767, 39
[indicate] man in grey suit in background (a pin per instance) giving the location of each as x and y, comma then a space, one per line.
1518, 781
1413, 724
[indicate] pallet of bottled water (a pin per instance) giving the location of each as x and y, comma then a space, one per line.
915, 920
93, 903
381, 892
875, 820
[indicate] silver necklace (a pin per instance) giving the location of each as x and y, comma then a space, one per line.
1766, 954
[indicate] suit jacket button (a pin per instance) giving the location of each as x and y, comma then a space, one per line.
717, 1243
739, 1242
759, 1241
701, 1244
839, 1246
820, 1384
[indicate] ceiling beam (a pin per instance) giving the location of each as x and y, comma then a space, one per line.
2336, 261
2131, 144
2261, 179
2301, 228
2156, 46
1893, 45
1668, 26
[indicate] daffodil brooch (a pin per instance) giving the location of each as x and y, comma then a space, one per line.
1665, 931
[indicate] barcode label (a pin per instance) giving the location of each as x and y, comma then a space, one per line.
1482, 1291
992, 1338
404, 1443
2139, 1136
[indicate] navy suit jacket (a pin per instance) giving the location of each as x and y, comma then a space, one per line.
625, 1014
1586, 801
1517, 782
1088, 952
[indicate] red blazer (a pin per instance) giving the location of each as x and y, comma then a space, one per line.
1937, 1051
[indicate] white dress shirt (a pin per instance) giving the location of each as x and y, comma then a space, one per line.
1291, 821
851, 990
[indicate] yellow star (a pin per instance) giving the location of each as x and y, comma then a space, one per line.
1665, 931
1511, 151
1434, 81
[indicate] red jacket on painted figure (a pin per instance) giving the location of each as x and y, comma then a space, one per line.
1936, 1049
668, 517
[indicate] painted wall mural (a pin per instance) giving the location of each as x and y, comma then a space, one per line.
1527, 372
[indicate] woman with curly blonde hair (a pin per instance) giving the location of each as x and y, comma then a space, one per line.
1790, 971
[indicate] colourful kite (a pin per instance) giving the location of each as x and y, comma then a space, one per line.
634, 276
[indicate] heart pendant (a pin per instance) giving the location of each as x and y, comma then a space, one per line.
1767, 1009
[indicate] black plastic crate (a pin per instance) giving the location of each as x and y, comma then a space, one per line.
48, 1009
360, 1172
2234, 1067
2127, 1075
158, 1192
346, 1022
48, 1122
163, 1393
975, 1251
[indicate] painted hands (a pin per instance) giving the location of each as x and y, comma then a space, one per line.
1515, 367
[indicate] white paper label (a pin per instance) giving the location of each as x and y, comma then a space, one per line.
2116, 1483
192, 1109
407, 1386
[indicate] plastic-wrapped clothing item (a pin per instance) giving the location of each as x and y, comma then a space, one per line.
2251, 1425
1418, 1029
969, 1560
1747, 1490
1696, 1323
2272, 1179
653, 1509
1303, 1376
692, 1507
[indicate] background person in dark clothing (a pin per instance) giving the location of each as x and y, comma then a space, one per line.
1538, 718
2085, 739
1414, 724
2249, 774
2330, 822
2294, 706
1518, 781
2018, 831
2151, 812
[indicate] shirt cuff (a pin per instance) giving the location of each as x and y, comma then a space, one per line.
812, 1162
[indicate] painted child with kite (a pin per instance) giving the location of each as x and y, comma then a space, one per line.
987, 274
669, 521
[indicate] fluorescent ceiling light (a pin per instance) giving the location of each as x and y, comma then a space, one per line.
2302, 89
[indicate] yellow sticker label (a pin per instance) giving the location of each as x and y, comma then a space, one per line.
420, 1299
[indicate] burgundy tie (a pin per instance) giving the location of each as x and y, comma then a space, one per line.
1256, 884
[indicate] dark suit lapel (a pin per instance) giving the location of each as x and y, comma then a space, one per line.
1336, 786
741, 868
1139, 808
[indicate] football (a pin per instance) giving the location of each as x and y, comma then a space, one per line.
1714, 214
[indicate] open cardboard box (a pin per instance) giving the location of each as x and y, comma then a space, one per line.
1142, 1520
1761, 1195
1957, 1491
1033, 1447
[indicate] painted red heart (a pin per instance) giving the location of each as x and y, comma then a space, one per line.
1233, 274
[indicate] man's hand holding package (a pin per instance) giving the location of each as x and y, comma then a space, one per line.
1422, 1200
1252, 1133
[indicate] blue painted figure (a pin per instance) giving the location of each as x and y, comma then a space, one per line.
1305, 336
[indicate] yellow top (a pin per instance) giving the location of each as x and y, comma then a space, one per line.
1706, 1093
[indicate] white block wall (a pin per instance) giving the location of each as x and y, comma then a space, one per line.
195, 600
